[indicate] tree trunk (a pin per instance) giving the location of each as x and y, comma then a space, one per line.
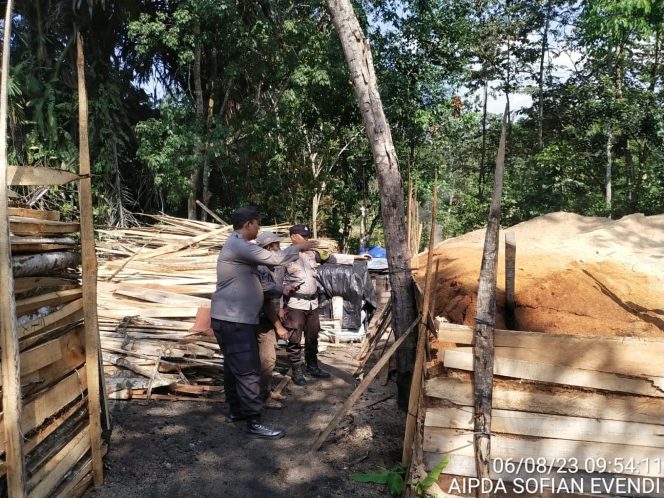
207, 195
195, 185
480, 189
508, 75
45, 262
315, 204
42, 55
200, 114
540, 107
363, 228
360, 64
483, 350
609, 165
629, 161
122, 220
655, 61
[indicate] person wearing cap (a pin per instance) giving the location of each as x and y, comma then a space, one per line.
236, 305
301, 305
270, 325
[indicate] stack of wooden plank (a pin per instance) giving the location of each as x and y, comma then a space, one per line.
559, 401
152, 282
49, 310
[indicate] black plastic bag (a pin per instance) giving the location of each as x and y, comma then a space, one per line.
353, 284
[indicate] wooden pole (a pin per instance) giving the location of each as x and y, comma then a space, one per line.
11, 365
210, 212
510, 277
422, 337
432, 306
483, 350
362, 387
89, 269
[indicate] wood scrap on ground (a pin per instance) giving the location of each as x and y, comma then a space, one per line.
361, 388
152, 282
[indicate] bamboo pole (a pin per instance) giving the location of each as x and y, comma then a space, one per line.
483, 350
89, 278
422, 337
11, 364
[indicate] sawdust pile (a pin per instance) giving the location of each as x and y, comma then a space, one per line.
574, 274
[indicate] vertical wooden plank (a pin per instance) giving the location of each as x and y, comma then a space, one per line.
89, 268
11, 366
483, 337
510, 276
422, 337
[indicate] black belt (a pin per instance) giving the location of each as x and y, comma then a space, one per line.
304, 296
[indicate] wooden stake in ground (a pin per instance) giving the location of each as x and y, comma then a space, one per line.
11, 366
361, 388
357, 53
89, 277
422, 337
483, 350
510, 277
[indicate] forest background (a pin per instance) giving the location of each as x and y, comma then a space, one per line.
234, 102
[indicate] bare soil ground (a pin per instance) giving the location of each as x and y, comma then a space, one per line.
176, 449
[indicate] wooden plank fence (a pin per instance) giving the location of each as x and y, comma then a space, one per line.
586, 408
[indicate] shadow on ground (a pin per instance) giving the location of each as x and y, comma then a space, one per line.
186, 449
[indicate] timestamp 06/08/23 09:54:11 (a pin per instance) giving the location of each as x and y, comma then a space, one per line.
572, 465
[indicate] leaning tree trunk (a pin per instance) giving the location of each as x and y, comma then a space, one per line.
357, 53
483, 349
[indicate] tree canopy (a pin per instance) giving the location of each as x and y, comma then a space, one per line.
236, 102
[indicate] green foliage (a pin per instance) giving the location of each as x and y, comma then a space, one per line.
432, 476
167, 146
392, 478
255, 97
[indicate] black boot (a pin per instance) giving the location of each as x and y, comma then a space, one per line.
258, 430
314, 371
298, 375
235, 417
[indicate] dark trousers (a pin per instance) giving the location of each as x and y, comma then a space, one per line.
298, 322
241, 366
267, 343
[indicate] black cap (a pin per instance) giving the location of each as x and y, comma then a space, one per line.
241, 215
300, 230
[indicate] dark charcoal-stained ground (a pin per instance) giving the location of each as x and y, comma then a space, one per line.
186, 449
